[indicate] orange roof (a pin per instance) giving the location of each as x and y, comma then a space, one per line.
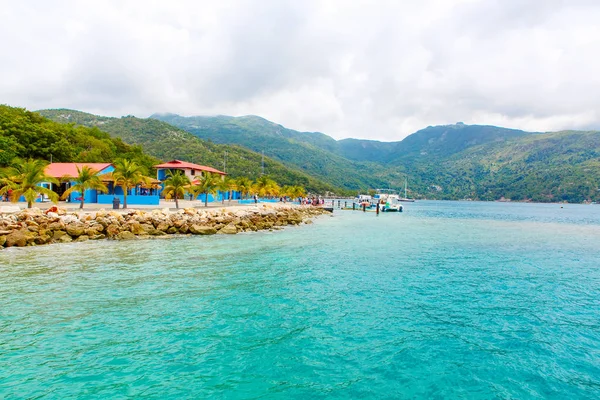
177, 164
58, 170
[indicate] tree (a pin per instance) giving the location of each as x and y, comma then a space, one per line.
86, 179
208, 184
176, 184
127, 174
244, 185
24, 179
294, 191
226, 186
266, 186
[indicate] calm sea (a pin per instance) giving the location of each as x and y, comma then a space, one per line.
446, 300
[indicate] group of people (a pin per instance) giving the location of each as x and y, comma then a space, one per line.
314, 201
6, 196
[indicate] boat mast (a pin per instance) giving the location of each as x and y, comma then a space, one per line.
405, 184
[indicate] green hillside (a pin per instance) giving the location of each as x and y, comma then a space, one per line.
167, 142
27, 134
310, 152
441, 162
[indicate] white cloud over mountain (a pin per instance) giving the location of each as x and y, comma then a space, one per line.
363, 69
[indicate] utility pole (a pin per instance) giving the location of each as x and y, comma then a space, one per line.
225, 161
263, 164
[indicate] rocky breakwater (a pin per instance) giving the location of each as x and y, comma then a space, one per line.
34, 227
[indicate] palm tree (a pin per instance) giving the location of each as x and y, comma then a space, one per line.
227, 185
86, 179
208, 184
175, 184
128, 174
244, 185
266, 186
297, 191
24, 179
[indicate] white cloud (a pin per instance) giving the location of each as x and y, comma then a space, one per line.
379, 70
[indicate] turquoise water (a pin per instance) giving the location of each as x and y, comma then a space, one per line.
446, 300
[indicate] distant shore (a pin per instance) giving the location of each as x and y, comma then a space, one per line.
39, 226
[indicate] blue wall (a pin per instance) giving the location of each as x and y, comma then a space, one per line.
132, 199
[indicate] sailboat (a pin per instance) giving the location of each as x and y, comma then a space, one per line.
406, 199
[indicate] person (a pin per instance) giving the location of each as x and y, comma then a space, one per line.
255, 199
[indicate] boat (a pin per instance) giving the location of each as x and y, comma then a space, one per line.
387, 200
405, 198
363, 200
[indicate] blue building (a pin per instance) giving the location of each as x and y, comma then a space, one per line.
142, 194
194, 172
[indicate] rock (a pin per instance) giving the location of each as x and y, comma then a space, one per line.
202, 230
42, 239
172, 230
112, 230
91, 231
82, 238
156, 232
56, 226
126, 235
52, 215
18, 238
228, 229
58, 234
185, 228
2, 240
147, 227
68, 219
163, 226
75, 230
65, 239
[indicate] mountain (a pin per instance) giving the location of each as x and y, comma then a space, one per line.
167, 142
445, 162
311, 152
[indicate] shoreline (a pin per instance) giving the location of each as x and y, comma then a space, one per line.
35, 227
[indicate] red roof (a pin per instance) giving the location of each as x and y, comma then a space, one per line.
177, 164
58, 170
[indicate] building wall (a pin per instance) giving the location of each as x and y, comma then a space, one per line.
132, 199
161, 174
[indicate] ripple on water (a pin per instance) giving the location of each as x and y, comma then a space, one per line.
447, 300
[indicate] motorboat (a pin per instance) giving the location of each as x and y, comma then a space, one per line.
363, 200
387, 200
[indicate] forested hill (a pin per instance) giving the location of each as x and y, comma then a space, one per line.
167, 142
311, 152
447, 162
27, 134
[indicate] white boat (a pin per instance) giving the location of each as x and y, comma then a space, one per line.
388, 201
363, 199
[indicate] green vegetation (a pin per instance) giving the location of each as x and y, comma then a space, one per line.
175, 185
441, 162
23, 179
128, 175
86, 179
167, 142
208, 184
27, 134
309, 152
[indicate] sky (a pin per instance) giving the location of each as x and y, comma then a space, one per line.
364, 69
